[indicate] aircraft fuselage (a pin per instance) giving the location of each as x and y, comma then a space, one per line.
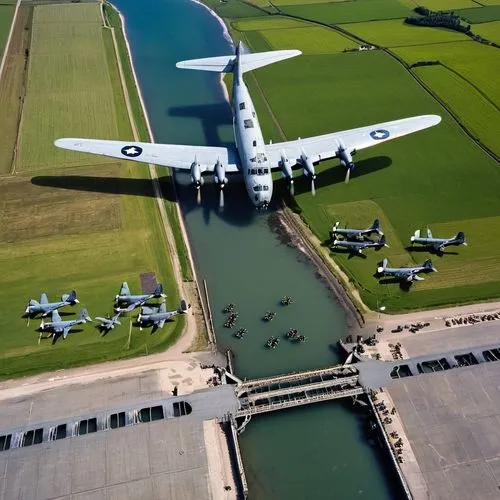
250, 145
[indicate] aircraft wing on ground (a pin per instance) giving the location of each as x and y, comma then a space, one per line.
55, 316
66, 331
161, 323
167, 155
43, 299
323, 147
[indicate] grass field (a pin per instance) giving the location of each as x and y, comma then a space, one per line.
235, 9
437, 177
86, 226
478, 114
11, 88
490, 31
58, 107
6, 14
395, 33
289, 34
444, 4
474, 61
481, 14
348, 12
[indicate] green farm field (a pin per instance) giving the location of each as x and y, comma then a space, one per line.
474, 61
490, 31
86, 226
437, 178
476, 112
58, 106
395, 33
491, 12
6, 14
348, 12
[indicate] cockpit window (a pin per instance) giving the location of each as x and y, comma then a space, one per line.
259, 171
242, 105
248, 123
258, 187
266, 170
265, 187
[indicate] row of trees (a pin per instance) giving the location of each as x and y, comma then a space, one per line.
441, 19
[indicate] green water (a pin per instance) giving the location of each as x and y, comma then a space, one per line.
314, 452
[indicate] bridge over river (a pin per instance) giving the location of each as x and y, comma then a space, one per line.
295, 389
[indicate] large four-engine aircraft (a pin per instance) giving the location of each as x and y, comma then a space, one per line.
252, 156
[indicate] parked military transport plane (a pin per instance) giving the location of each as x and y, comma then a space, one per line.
359, 246
57, 326
438, 244
356, 234
45, 307
108, 323
252, 157
406, 273
124, 298
157, 316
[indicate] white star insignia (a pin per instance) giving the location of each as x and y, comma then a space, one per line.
130, 151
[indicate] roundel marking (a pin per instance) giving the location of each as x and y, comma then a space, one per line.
379, 134
131, 151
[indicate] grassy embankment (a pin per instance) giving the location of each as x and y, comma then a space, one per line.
81, 222
438, 177
165, 178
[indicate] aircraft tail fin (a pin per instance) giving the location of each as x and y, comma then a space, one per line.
428, 266
227, 64
382, 268
376, 226
84, 315
460, 237
71, 298
183, 307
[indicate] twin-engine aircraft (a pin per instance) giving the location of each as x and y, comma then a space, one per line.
252, 157
437, 244
408, 274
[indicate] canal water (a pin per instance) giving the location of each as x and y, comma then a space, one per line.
316, 452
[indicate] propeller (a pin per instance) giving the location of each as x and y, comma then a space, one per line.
292, 188
198, 196
221, 197
347, 175
313, 188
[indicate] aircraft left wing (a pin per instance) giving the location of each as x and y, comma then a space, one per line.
323, 147
56, 317
43, 299
66, 331
167, 155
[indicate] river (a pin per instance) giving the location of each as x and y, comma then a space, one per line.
316, 452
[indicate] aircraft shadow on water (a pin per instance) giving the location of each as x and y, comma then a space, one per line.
212, 117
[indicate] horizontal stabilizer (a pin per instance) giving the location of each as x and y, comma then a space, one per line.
226, 64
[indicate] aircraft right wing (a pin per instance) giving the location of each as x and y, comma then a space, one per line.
66, 331
323, 147
56, 317
167, 155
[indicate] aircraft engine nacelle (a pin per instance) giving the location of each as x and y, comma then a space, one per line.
307, 165
196, 175
220, 174
345, 156
286, 169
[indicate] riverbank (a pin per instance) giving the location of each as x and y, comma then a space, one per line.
195, 333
